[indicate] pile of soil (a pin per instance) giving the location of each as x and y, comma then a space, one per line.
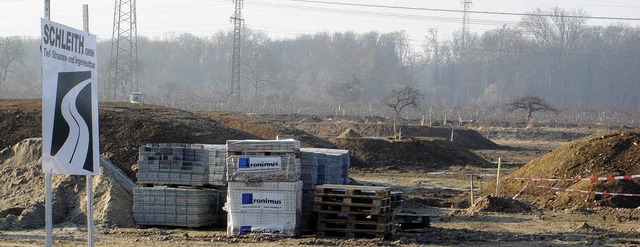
22, 197
500, 204
124, 128
266, 127
409, 155
612, 153
465, 138
349, 133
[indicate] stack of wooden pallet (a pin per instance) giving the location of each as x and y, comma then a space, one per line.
354, 211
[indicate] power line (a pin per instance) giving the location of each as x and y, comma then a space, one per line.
389, 15
462, 11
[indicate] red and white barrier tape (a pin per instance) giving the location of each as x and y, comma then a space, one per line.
610, 178
516, 196
587, 192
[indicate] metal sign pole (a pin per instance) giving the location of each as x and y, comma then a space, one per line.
48, 210
47, 176
85, 25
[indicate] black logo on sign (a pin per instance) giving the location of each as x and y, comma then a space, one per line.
72, 138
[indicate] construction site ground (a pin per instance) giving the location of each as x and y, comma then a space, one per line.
437, 185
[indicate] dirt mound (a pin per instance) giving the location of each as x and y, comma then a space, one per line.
22, 193
265, 127
124, 128
465, 138
406, 155
500, 204
613, 153
349, 133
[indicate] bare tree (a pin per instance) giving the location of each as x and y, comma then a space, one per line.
348, 91
11, 51
399, 99
257, 62
530, 104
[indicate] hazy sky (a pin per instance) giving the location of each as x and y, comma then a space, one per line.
288, 18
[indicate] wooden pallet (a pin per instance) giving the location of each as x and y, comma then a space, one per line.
350, 226
353, 191
384, 218
352, 201
412, 221
199, 186
396, 199
348, 209
347, 234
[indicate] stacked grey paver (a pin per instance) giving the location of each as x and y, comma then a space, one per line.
178, 206
166, 167
320, 166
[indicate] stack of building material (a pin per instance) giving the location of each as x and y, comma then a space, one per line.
309, 178
217, 164
163, 168
178, 206
354, 211
333, 165
171, 164
320, 166
264, 187
264, 208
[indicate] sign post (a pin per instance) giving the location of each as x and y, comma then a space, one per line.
48, 215
85, 27
70, 139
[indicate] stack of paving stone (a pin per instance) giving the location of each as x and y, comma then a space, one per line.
265, 191
171, 163
333, 165
354, 211
320, 166
217, 164
184, 207
164, 169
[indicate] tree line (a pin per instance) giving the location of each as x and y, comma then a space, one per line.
551, 54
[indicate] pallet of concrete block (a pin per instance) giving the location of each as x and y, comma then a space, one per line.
309, 169
352, 199
217, 164
262, 147
272, 208
261, 168
182, 164
172, 163
185, 207
332, 164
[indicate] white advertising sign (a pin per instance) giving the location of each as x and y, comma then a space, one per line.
69, 101
256, 164
263, 201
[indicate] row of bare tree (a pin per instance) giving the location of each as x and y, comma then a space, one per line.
552, 55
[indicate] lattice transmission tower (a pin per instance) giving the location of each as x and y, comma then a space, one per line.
123, 65
466, 4
235, 59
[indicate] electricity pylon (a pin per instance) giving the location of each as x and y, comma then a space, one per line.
123, 65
